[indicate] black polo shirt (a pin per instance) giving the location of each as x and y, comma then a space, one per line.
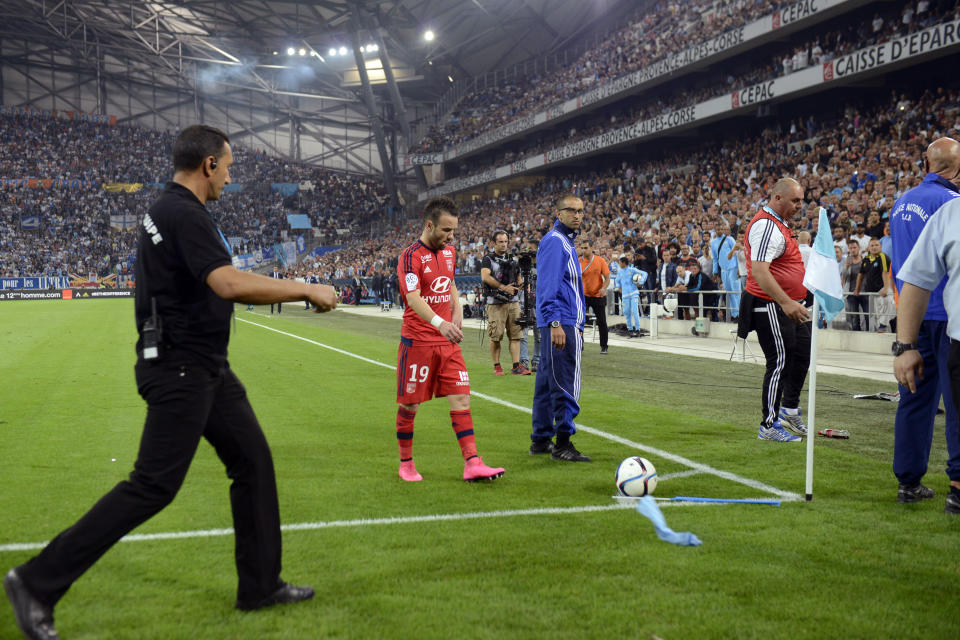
873, 268
177, 248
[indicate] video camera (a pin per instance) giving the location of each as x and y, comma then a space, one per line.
509, 274
525, 262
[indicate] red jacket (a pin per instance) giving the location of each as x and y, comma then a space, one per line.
787, 270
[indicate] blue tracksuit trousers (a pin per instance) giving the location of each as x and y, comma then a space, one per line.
556, 393
913, 427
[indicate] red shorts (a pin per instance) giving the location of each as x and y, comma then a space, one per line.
427, 371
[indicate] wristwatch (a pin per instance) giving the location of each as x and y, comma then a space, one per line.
899, 347
554, 324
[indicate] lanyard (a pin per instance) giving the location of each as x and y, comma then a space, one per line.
774, 214
222, 237
227, 244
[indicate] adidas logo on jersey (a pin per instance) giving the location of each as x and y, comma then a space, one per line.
427, 270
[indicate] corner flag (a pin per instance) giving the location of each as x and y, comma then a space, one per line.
823, 276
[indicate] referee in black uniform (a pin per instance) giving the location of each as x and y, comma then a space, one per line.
186, 287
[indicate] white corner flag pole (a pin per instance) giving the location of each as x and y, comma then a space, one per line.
812, 398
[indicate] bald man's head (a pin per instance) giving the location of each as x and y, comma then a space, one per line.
943, 158
783, 186
786, 198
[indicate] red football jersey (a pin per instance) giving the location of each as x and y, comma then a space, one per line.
420, 267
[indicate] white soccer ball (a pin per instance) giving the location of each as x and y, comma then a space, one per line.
670, 302
636, 477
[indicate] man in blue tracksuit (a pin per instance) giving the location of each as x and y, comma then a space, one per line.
913, 428
561, 311
726, 266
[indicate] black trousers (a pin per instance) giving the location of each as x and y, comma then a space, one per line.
857, 308
599, 306
953, 369
786, 347
184, 404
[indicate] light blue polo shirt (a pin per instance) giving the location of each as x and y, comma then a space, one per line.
935, 255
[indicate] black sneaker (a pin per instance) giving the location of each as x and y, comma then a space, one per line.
603, 351
569, 453
953, 502
913, 493
541, 446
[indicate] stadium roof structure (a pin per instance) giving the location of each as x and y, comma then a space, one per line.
168, 63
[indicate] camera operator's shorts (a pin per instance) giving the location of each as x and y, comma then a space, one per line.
431, 370
503, 318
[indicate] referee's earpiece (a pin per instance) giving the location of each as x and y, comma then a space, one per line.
213, 164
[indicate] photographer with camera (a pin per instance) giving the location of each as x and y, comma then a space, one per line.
500, 273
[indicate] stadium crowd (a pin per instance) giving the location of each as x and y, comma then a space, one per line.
855, 165
660, 34
73, 232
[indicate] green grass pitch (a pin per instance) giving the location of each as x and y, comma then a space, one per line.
851, 564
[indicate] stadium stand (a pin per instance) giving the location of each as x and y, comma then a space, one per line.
55, 216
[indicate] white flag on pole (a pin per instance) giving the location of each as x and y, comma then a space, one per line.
822, 277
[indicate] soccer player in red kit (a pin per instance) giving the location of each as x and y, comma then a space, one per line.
429, 363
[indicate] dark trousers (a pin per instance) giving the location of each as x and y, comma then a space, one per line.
556, 391
913, 426
185, 404
786, 347
857, 308
279, 307
599, 306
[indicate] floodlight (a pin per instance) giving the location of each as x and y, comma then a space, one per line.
303, 51
343, 51
428, 35
291, 51
332, 52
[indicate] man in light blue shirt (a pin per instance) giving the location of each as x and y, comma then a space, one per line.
629, 290
928, 330
725, 264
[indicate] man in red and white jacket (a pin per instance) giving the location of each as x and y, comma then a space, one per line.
775, 302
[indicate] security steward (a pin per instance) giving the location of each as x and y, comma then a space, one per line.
501, 278
917, 409
774, 306
186, 286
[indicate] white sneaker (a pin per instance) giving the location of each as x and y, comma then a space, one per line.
793, 424
777, 433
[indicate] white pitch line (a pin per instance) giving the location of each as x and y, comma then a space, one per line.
365, 522
679, 474
696, 466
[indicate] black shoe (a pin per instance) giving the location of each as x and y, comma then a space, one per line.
541, 446
603, 351
913, 493
285, 594
34, 618
569, 453
953, 502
